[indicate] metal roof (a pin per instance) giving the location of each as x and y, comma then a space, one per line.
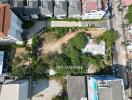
46, 7
60, 8
76, 87
74, 7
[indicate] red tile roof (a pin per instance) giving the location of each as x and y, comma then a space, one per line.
5, 19
127, 2
91, 6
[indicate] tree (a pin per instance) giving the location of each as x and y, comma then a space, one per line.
109, 37
74, 55
129, 15
79, 41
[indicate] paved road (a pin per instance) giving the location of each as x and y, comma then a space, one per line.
43, 24
116, 24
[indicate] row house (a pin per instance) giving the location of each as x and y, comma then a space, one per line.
85, 9
95, 87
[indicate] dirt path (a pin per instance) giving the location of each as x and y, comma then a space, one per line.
56, 46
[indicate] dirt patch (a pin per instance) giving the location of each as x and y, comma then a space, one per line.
55, 46
96, 33
19, 51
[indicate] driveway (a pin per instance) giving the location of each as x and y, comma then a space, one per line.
46, 90
97, 24
41, 25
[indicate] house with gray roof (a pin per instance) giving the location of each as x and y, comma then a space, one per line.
76, 87
46, 8
18, 3
60, 9
74, 9
95, 87
32, 9
32, 3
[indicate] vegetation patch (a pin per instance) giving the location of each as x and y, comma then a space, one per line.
129, 15
29, 64
79, 41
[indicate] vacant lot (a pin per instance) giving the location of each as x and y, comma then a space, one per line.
55, 45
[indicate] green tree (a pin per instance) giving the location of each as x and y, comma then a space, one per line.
79, 41
74, 55
129, 15
109, 37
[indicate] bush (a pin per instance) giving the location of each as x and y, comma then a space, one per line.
109, 37
129, 15
79, 41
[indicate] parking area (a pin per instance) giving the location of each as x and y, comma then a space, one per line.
46, 90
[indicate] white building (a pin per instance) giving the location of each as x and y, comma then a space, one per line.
15, 90
10, 25
94, 48
93, 9
93, 14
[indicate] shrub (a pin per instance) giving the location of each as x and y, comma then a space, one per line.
79, 41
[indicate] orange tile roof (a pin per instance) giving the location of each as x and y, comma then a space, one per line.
5, 19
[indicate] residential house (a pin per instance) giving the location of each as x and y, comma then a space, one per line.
75, 9
10, 26
46, 8
94, 48
14, 90
32, 3
18, 3
32, 9
60, 9
102, 87
127, 2
93, 9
